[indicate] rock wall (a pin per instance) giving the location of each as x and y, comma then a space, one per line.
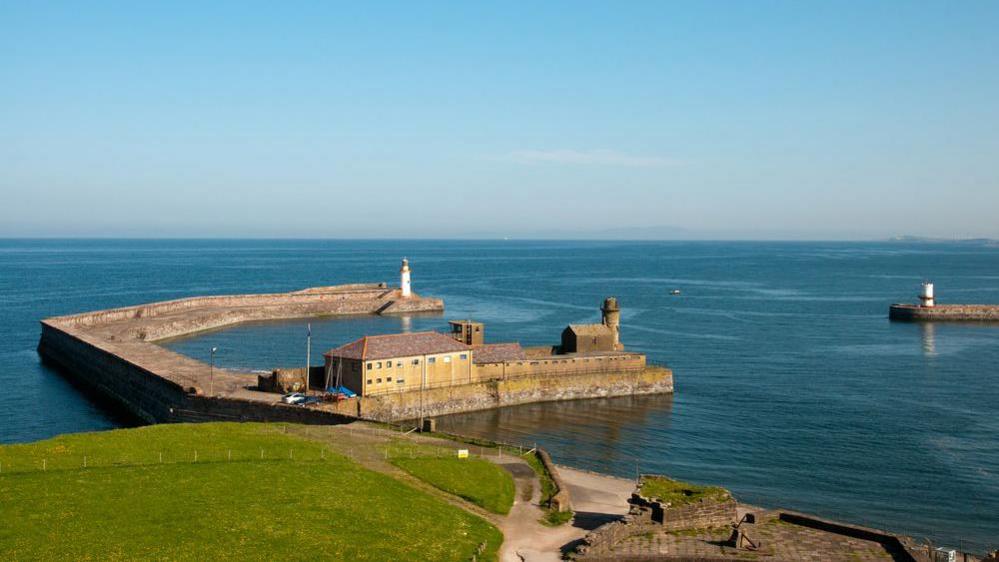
137, 391
702, 514
560, 500
945, 312
896, 546
154, 399
151, 310
208, 409
599, 543
520, 390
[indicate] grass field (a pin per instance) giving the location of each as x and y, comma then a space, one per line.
299, 502
479, 481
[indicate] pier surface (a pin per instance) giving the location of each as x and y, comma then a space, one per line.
114, 353
945, 312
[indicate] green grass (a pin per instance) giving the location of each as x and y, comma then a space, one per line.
554, 518
126, 505
679, 493
479, 481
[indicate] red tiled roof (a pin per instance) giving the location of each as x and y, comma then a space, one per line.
398, 345
497, 353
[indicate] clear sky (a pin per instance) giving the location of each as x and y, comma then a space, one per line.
832, 120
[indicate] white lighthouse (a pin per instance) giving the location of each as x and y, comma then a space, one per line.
926, 296
404, 283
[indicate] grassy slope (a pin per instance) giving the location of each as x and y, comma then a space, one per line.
312, 507
478, 481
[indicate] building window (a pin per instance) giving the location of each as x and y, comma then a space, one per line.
369, 381
400, 381
378, 365
447, 358
370, 366
388, 379
379, 381
416, 361
398, 363
431, 360
463, 356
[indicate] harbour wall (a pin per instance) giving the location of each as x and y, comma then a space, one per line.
155, 399
111, 352
151, 398
517, 390
944, 313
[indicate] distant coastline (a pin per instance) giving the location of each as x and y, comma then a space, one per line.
988, 242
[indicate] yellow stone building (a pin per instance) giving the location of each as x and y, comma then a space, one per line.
399, 362
390, 363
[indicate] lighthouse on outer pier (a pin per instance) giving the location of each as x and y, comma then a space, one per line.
926, 296
404, 284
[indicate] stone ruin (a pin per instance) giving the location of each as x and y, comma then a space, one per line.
686, 507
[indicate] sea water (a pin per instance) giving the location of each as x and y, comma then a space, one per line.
792, 387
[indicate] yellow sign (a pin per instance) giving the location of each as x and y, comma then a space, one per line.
462, 453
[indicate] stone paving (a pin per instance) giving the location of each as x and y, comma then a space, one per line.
778, 540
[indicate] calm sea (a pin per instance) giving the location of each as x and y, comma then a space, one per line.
792, 387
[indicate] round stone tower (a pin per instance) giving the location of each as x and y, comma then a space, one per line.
612, 319
404, 283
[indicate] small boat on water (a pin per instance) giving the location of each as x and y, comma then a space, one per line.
675, 292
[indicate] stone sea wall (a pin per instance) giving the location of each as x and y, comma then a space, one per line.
154, 399
697, 515
945, 313
141, 393
112, 353
509, 392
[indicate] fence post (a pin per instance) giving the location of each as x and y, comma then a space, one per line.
44, 463
261, 454
84, 461
230, 454
195, 455
161, 457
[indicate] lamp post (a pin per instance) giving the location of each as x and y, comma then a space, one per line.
211, 374
308, 357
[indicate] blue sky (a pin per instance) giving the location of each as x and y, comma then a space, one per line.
537, 119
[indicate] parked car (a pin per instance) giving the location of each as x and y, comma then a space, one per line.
293, 398
310, 400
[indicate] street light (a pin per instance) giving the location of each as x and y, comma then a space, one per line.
211, 374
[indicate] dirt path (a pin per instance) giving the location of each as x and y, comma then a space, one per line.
596, 498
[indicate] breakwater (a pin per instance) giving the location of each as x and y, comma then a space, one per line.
944, 313
114, 353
